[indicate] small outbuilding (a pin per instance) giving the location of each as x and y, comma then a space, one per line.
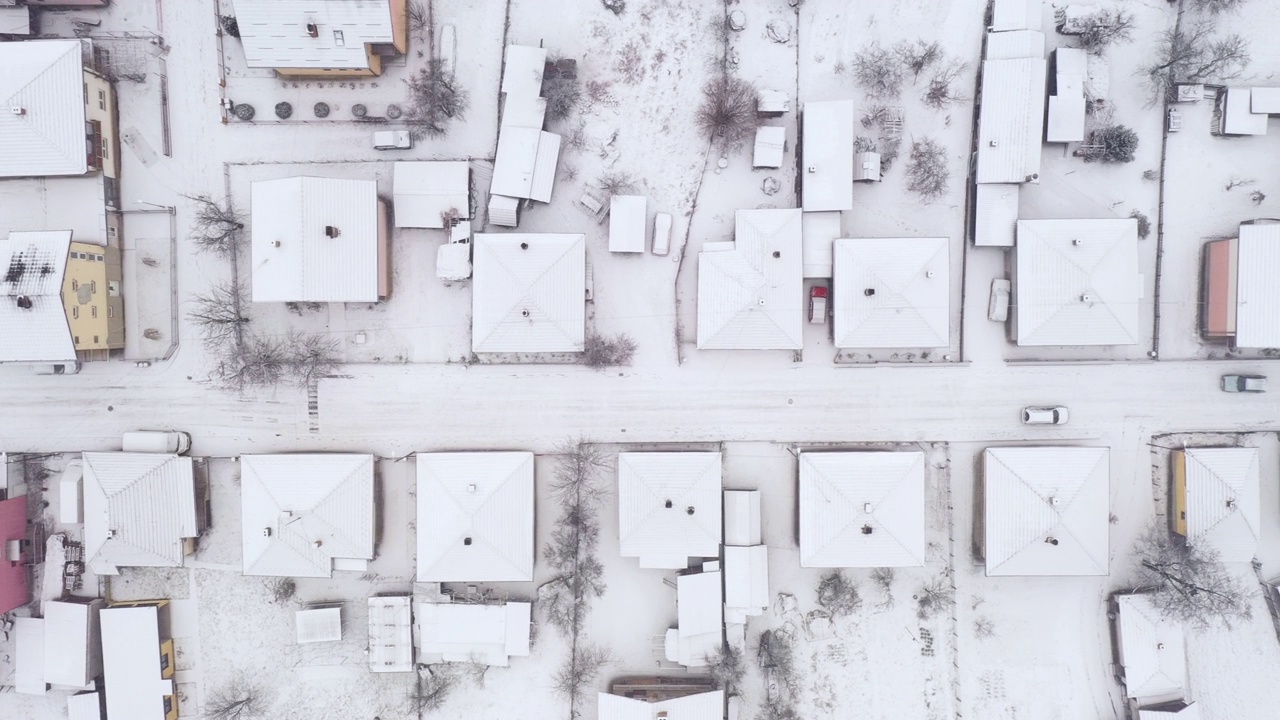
770, 148
467, 633
699, 630
14, 591
72, 644
1152, 652
827, 156
428, 193
628, 223
318, 624
669, 507
995, 213
699, 706
390, 634
862, 509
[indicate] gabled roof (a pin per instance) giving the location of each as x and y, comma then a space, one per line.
76, 203
1077, 282
662, 536
702, 706
307, 265
1015, 15
1224, 507
475, 517
131, 663
842, 494
1257, 287
522, 73
424, 191
910, 301
750, 291
1177, 711
529, 293
484, 634
72, 644
299, 512
1011, 120
995, 214
390, 634
827, 155
138, 508
1047, 510
46, 79
1152, 651
274, 32
33, 266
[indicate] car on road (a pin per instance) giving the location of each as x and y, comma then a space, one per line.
392, 140
1244, 383
1049, 415
818, 305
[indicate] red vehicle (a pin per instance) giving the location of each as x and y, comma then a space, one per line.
818, 304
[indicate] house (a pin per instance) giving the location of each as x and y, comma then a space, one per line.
1011, 120
468, 633
529, 293
826, 137
428, 193
770, 147
524, 166
14, 591
60, 112
475, 517
1076, 282
892, 293
699, 706
1045, 510
303, 515
60, 297
1152, 651
669, 507
139, 510
1215, 501
862, 509
750, 290
1065, 121
138, 661
319, 240
390, 634
995, 214
1241, 302
322, 38
1015, 15
83, 204
628, 223
72, 644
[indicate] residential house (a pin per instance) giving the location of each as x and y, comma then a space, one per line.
140, 510
1216, 500
669, 507
469, 633
322, 38
751, 290
1152, 652
138, 661
862, 509
529, 293
1011, 120
892, 293
1241, 301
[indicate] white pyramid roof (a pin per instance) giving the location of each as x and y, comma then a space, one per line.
33, 265
1224, 505
529, 293
1152, 651
911, 303
138, 508
1047, 510
475, 517
844, 493
750, 291
46, 79
661, 536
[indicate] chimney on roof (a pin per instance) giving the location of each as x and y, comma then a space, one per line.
275, 243
1051, 540
317, 544
1086, 298
466, 541
111, 534
18, 110
667, 504
312, 30
331, 231
777, 253
524, 246
813, 168
24, 302
867, 507
1077, 242
869, 292
471, 488
266, 532
690, 510
1231, 503
867, 529
928, 273
994, 143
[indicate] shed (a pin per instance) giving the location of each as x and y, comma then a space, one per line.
741, 517
15, 20
390, 634
1236, 107
995, 211
819, 231
1216, 500
746, 581
1046, 510
525, 164
861, 509
866, 166
628, 223
139, 510
1066, 113
529, 293
1011, 120
522, 70
28, 656
700, 617
425, 192
463, 632
669, 507
14, 592
318, 624
892, 293
771, 146
773, 102
85, 706
1152, 651
827, 138
73, 644
1264, 100
750, 291
475, 517
71, 494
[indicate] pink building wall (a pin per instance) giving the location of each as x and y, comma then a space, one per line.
13, 576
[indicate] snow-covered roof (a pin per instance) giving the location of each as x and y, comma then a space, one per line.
131, 664
1257, 287
138, 509
1238, 117
1066, 113
390, 634
1011, 120
76, 203
28, 656
485, 634
34, 265
750, 291
771, 143
892, 292
699, 617
522, 75
741, 517
14, 591
85, 706
45, 78
424, 191
475, 517
529, 293
669, 506
827, 179
1264, 100
746, 581
702, 706
819, 231
1077, 282
295, 260
72, 646
15, 20
995, 212
1016, 15
1047, 510
525, 163
314, 625
301, 511
1224, 506
1015, 44
845, 494
628, 221
1190, 711
274, 32
1152, 651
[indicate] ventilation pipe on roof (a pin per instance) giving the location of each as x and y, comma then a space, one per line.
317, 544
266, 532
813, 168
869, 292
1077, 242
331, 231
466, 541
1086, 298
867, 529
1231, 503
24, 302
1051, 540
690, 510
667, 504
524, 246
928, 273
777, 253
313, 30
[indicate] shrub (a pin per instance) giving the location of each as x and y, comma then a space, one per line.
284, 110
599, 351
838, 595
1144, 223
1117, 142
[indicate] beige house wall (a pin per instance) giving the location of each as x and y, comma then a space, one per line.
100, 106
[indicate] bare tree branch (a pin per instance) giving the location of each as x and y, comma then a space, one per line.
220, 316
1189, 583
215, 227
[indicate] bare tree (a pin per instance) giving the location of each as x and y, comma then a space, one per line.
728, 114
215, 227
282, 589
311, 357
1189, 583
1215, 7
1104, 27
580, 670
838, 595
616, 183
726, 668
1144, 223
927, 173
918, 55
220, 315
419, 18
430, 692
1193, 54
934, 597
435, 99
562, 95
600, 352
240, 699
941, 90
883, 578
572, 551
878, 71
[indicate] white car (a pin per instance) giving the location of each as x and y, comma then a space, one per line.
392, 140
1055, 415
998, 307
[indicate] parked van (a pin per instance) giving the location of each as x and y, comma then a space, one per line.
67, 368
157, 441
661, 234
392, 140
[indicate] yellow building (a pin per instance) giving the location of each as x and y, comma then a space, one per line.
91, 296
138, 660
326, 38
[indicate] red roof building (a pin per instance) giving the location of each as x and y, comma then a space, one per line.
14, 591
